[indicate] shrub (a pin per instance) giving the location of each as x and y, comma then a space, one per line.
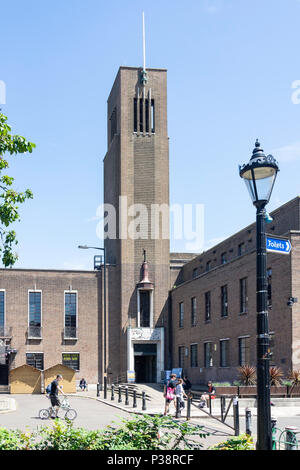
242, 442
140, 433
276, 375
247, 375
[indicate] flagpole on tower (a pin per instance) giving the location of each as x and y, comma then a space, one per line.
144, 73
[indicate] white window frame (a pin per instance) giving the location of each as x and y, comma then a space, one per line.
71, 352
68, 291
35, 291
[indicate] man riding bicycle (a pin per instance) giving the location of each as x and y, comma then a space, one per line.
53, 395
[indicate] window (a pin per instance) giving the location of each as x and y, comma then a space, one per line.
193, 311
113, 124
243, 295
35, 314
2, 312
223, 258
35, 360
224, 350
144, 308
181, 357
207, 307
208, 359
194, 355
70, 315
195, 272
135, 112
181, 314
224, 301
241, 249
143, 115
269, 281
71, 360
208, 266
244, 351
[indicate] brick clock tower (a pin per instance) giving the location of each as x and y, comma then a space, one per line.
136, 191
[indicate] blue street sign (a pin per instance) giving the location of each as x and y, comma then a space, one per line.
277, 245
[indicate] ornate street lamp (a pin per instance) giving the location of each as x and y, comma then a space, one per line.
259, 175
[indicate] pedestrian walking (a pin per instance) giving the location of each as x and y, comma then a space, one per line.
169, 393
180, 393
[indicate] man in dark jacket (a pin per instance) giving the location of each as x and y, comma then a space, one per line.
54, 390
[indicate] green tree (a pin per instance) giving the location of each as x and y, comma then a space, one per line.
9, 197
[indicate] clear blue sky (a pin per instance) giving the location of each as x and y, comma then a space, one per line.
231, 65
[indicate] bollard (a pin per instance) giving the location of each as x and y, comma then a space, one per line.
188, 407
134, 399
143, 401
112, 392
126, 396
105, 387
98, 390
223, 408
291, 442
248, 421
236, 417
120, 395
178, 411
210, 404
274, 430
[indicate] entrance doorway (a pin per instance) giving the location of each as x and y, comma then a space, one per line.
145, 363
3, 374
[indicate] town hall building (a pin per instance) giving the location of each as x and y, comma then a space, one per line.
146, 310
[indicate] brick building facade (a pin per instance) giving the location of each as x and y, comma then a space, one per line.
163, 310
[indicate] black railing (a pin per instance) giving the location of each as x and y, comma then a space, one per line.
70, 332
34, 332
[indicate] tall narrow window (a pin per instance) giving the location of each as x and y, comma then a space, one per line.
181, 357
194, 355
152, 117
35, 314
223, 258
208, 359
70, 315
113, 124
144, 309
193, 311
207, 307
224, 301
141, 116
147, 115
224, 348
2, 313
135, 115
243, 295
244, 351
181, 314
241, 249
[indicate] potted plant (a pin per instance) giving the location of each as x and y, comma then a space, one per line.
276, 375
294, 388
247, 377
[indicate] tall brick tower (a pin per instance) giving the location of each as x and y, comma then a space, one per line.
136, 185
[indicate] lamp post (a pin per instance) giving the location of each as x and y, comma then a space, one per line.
85, 247
259, 175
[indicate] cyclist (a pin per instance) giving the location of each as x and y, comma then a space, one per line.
55, 389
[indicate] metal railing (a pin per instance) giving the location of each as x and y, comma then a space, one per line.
286, 439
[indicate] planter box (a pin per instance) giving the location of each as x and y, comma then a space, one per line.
250, 391
247, 391
293, 391
280, 391
229, 390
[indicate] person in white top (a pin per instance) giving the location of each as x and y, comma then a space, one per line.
179, 392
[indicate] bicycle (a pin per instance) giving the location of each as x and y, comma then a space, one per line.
70, 413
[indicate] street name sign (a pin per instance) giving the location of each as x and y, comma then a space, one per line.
278, 245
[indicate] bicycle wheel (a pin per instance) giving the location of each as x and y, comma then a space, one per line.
71, 414
44, 414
